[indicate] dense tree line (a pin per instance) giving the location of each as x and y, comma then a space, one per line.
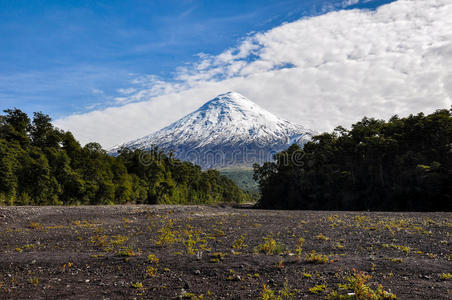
402, 164
42, 165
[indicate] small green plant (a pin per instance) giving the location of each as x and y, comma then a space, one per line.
356, 285
137, 285
167, 235
151, 271
269, 247
233, 276
280, 264
36, 226
445, 276
219, 233
127, 253
153, 259
118, 240
194, 244
299, 248
217, 257
191, 296
398, 247
285, 293
317, 289
322, 237
34, 281
316, 258
240, 243
339, 246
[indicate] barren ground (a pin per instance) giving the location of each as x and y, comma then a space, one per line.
106, 252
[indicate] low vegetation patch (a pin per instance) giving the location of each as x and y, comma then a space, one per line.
270, 247
316, 258
356, 287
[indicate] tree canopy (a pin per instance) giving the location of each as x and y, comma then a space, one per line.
401, 164
42, 165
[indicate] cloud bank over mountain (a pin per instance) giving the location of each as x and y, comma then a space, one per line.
322, 72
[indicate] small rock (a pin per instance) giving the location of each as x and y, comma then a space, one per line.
186, 285
197, 272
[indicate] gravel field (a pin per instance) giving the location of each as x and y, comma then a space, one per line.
219, 252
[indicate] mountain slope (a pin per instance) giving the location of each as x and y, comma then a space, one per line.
229, 130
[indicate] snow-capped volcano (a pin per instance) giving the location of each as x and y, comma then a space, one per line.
228, 130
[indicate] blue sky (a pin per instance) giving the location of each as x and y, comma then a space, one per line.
66, 57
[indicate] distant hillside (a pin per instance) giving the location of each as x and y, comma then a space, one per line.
243, 178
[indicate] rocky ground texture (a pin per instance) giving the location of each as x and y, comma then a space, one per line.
221, 252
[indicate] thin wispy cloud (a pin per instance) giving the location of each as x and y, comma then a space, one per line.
321, 72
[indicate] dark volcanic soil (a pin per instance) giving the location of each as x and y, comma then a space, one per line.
103, 252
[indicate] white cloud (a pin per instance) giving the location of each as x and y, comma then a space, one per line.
342, 66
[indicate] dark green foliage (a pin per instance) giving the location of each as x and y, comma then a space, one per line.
41, 165
402, 164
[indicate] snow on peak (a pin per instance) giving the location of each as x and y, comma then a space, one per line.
229, 120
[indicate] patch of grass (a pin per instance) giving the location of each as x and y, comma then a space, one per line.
285, 293
445, 276
192, 296
118, 240
84, 224
219, 233
25, 247
137, 285
280, 264
240, 243
316, 258
194, 244
269, 247
36, 226
167, 234
151, 271
233, 276
217, 257
356, 287
299, 248
398, 247
153, 259
127, 252
317, 289
34, 281
339, 246
322, 237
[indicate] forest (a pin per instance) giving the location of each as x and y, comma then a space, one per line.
404, 164
42, 165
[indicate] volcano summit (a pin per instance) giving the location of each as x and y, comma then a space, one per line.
227, 131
